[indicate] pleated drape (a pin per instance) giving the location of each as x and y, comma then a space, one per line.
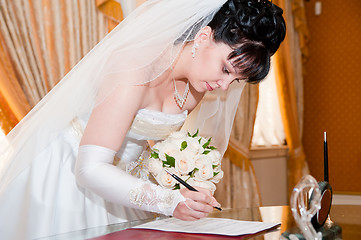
42, 40
289, 80
13, 103
113, 10
239, 186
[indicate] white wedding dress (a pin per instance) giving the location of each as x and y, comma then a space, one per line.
45, 198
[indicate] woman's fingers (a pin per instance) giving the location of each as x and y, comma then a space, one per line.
203, 195
183, 212
198, 204
187, 211
200, 196
213, 202
205, 191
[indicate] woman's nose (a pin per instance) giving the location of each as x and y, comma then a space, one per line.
224, 83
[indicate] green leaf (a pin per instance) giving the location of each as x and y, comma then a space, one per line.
211, 147
189, 135
206, 152
214, 166
191, 174
176, 186
215, 173
170, 160
154, 155
196, 134
165, 164
184, 145
207, 143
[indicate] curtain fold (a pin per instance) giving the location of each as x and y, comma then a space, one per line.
41, 40
113, 10
239, 186
289, 81
296, 160
300, 25
13, 103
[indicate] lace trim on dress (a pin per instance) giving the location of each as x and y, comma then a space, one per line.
152, 195
139, 167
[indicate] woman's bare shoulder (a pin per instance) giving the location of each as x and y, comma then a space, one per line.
111, 119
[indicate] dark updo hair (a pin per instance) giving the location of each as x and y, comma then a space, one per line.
255, 30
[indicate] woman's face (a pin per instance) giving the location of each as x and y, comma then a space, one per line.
210, 68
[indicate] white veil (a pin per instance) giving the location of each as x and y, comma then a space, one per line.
137, 51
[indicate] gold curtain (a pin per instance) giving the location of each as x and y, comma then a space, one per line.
113, 10
239, 187
288, 68
41, 40
13, 103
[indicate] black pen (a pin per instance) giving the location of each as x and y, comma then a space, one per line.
325, 158
181, 181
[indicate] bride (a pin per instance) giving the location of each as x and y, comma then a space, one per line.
170, 64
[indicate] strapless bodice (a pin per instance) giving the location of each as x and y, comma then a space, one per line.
154, 125
148, 125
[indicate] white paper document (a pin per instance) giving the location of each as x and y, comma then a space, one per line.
219, 226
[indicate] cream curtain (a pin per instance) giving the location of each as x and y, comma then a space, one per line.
289, 79
268, 128
41, 40
239, 187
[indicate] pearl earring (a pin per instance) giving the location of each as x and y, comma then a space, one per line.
194, 49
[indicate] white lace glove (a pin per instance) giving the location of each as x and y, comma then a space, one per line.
94, 170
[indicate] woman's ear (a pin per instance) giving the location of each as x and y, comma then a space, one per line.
203, 35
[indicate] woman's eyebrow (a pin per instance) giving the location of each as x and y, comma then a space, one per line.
233, 67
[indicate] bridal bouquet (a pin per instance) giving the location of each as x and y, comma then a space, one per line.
191, 157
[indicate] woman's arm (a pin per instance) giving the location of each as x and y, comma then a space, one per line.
103, 136
111, 119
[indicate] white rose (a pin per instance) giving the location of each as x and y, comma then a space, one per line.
176, 138
168, 148
199, 162
205, 171
194, 146
165, 180
184, 162
218, 177
155, 166
215, 157
205, 184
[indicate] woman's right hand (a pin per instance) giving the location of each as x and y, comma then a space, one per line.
197, 205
